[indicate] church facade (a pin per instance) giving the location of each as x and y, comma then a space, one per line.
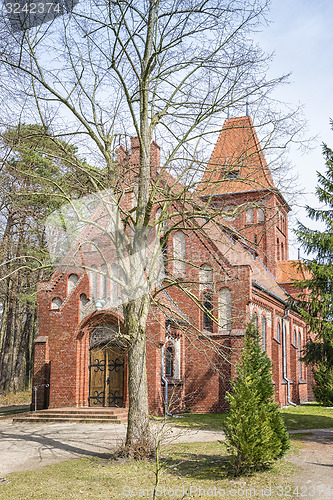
236, 269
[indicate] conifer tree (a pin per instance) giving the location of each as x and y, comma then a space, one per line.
254, 429
38, 173
316, 303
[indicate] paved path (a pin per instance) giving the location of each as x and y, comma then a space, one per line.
315, 462
26, 446
29, 446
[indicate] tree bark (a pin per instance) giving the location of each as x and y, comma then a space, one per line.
19, 367
6, 353
138, 439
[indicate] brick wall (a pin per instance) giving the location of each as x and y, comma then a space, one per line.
207, 359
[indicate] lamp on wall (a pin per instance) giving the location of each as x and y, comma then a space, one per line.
100, 303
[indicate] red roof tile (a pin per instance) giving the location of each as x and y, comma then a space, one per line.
292, 270
237, 163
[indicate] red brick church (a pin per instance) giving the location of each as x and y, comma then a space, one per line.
236, 269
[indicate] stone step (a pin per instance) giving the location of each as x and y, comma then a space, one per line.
110, 415
73, 416
84, 411
79, 420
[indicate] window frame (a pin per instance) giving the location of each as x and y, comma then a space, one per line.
227, 307
179, 254
207, 320
264, 333
169, 360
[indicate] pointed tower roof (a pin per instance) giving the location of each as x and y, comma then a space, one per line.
237, 163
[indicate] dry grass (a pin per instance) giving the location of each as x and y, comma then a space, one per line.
195, 468
15, 398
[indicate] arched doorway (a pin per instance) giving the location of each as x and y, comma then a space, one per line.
106, 366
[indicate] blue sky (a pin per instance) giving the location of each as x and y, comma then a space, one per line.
301, 35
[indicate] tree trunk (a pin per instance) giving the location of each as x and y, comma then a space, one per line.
19, 368
139, 442
6, 352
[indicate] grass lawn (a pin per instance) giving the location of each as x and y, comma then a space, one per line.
307, 416
186, 467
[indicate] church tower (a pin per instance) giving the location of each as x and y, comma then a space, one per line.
237, 181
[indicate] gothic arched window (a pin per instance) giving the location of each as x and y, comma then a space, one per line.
94, 282
249, 216
255, 320
260, 215
300, 355
278, 331
104, 278
264, 333
225, 309
56, 304
72, 281
206, 276
179, 253
207, 312
169, 362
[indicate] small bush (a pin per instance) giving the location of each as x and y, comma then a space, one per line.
254, 428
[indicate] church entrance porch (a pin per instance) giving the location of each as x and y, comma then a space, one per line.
101, 364
106, 370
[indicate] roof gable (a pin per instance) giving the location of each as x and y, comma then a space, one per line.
237, 163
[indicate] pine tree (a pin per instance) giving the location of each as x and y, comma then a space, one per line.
316, 303
39, 172
254, 429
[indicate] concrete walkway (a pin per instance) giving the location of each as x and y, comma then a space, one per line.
30, 446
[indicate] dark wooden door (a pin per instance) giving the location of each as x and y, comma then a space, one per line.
106, 376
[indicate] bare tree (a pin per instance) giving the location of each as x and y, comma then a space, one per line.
158, 70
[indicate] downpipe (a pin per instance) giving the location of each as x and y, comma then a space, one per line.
284, 353
164, 380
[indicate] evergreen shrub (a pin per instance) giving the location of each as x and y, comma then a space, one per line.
255, 432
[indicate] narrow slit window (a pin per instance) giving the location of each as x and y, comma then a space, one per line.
169, 362
207, 312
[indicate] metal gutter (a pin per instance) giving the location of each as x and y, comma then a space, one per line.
284, 342
164, 380
284, 354
272, 294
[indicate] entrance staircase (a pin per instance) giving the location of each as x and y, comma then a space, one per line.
109, 415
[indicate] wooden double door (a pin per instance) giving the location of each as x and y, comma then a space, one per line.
106, 376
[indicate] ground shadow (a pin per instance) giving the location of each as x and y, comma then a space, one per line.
51, 443
303, 422
198, 466
320, 436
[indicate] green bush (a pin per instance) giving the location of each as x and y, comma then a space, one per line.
255, 432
